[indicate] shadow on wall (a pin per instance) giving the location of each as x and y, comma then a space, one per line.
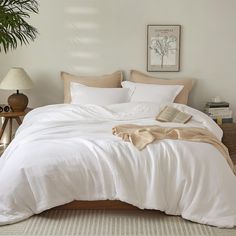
84, 31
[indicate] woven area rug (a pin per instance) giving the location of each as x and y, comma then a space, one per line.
109, 223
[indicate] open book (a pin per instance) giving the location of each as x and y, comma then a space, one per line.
171, 114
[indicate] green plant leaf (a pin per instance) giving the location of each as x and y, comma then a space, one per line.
14, 29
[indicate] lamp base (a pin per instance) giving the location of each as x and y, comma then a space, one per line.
18, 101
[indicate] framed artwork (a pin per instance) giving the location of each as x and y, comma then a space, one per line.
163, 47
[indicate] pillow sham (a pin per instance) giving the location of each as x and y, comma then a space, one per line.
104, 81
182, 97
152, 92
83, 95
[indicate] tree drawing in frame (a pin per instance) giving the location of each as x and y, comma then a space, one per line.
163, 47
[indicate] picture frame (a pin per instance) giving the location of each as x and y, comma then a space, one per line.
163, 48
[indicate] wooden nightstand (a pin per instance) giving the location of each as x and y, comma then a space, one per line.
229, 137
10, 116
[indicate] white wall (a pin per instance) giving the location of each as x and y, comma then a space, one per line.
101, 36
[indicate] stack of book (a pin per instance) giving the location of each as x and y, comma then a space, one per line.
219, 110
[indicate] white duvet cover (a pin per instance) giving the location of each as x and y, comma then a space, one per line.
64, 152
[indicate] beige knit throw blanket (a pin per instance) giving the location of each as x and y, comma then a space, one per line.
141, 136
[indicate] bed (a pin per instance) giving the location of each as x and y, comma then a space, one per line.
66, 153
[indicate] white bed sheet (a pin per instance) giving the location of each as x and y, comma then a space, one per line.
67, 152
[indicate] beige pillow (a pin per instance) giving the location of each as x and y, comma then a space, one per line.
104, 81
182, 97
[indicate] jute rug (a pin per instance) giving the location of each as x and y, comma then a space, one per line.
109, 223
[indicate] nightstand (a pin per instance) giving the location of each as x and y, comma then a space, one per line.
10, 116
229, 137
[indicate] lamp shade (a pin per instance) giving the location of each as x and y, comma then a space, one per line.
16, 79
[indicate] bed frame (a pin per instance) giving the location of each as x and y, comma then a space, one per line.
96, 205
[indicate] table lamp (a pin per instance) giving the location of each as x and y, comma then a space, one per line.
17, 79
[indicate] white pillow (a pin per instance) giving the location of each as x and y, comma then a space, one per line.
82, 95
140, 92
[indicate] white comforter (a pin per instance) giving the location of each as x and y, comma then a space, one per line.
63, 153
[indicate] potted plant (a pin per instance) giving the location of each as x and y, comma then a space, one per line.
14, 29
